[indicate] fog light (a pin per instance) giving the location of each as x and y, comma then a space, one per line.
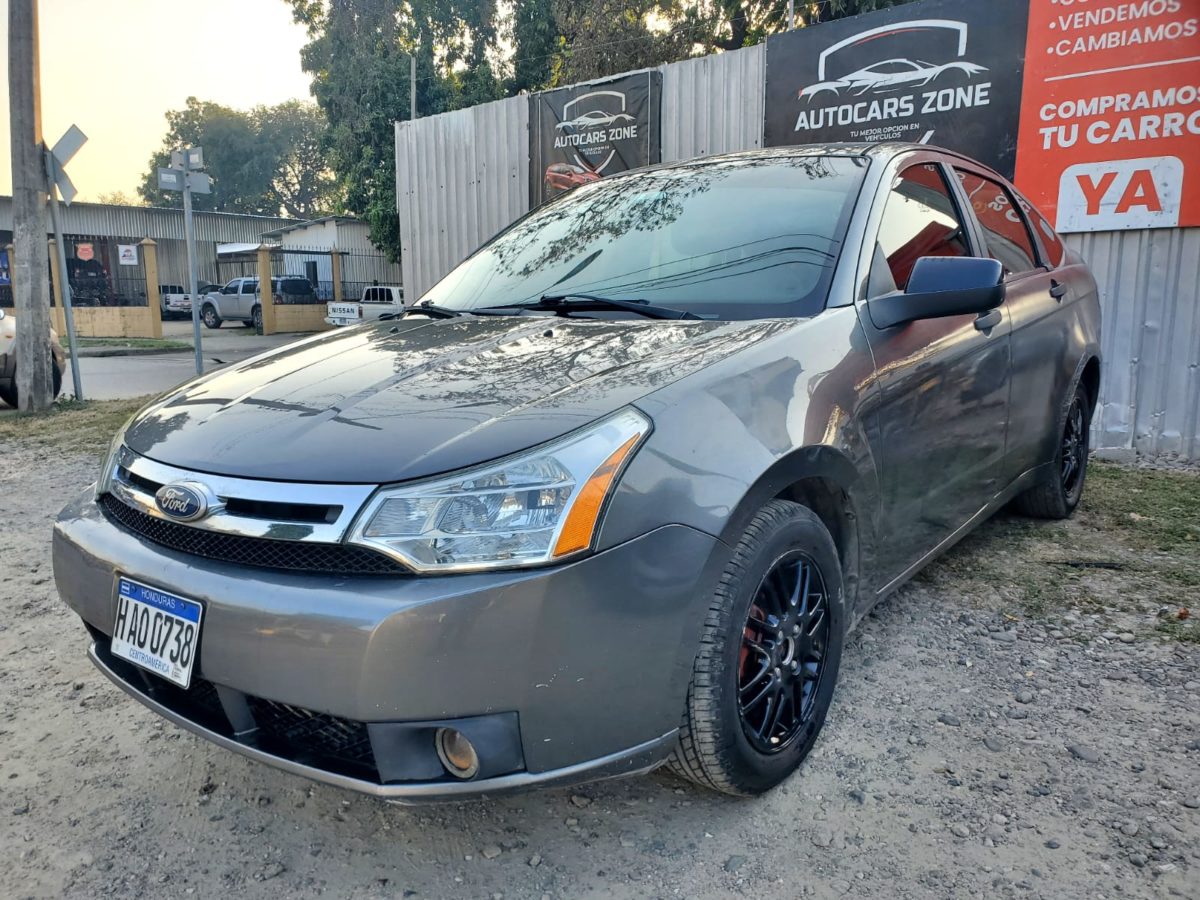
456, 753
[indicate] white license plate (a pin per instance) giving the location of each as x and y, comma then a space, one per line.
343, 311
155, 630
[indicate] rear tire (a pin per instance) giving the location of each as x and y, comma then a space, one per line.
1059, 492
763, 619
257, 320
209, 314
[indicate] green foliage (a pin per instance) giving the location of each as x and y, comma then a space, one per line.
265, 161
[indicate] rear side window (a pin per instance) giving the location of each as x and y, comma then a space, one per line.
1050, 240
920, 219
1004, 228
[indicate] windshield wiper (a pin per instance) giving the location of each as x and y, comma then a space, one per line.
433, 311
572, 302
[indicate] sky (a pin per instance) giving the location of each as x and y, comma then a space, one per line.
108, 67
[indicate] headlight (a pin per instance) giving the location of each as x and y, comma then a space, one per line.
109, 470
539, 506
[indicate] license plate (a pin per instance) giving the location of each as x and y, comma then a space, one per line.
157, 631
343, 311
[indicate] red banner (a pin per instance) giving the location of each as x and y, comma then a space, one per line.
1110, 113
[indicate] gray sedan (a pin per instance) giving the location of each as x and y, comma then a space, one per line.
612, 494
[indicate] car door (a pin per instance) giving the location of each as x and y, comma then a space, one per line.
943, 382
245, 298
1034, 301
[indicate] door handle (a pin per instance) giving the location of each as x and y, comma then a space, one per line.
1058, 289
988, 320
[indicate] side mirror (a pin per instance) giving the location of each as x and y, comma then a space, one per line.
942, 286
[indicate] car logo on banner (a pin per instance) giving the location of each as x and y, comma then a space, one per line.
907, 73
591, 126
184, 501
896, 74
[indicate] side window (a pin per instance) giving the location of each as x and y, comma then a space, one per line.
249, 286
1004, 227
1050, 240
920, 219
231, 288
372, 295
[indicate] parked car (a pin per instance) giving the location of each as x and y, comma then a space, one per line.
564, 176
240, 299
8, 359
611, 494
376, 301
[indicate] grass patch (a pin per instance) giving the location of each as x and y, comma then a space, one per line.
70, 425
1131, 548
1152, 509
1186, 631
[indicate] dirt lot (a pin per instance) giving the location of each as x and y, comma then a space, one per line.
1022, 721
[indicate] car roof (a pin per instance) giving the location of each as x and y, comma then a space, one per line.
881, 152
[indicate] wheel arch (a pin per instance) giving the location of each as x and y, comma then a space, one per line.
824, 480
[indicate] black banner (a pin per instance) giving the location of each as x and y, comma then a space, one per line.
943, 72
581, 133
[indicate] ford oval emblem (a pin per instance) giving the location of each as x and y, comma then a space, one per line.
182, 502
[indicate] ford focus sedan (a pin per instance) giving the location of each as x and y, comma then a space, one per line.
612, 494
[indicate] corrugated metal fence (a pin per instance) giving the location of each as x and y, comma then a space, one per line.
1150, 292
462, 176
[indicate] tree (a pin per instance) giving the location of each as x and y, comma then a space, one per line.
233, 155
264, 161
302, 185
119, 198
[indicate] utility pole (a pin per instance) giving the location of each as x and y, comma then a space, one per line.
185, 175
412, 85
30, 288
189, 234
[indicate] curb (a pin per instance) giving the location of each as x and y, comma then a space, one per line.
86, 352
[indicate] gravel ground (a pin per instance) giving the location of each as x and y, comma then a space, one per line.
1031, 729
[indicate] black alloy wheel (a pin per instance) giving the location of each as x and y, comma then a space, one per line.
782, 659
1074, 447
764, 676
1060, 488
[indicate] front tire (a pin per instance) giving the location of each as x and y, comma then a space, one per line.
210, 317
1058, 494
257, 320
764, 678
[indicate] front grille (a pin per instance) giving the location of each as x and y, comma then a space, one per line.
292, 556
311, 737
300, 735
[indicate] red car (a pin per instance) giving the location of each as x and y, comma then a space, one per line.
564, 176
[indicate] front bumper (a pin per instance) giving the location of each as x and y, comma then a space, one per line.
592, 658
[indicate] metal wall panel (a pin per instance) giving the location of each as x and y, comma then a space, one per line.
102, 220
713, 104
460, 177
1150, 293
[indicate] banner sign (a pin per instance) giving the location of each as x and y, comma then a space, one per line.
5, 276
127, 254
581, 133
945, 72
1110, 121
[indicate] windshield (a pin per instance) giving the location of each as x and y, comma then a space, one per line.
734, 239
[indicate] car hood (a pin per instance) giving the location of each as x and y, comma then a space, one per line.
417, 397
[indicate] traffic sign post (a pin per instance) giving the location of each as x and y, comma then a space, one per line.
184, 175
56, 159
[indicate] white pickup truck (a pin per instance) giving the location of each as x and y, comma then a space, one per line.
377, 300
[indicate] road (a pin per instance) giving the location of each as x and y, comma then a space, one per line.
119, 377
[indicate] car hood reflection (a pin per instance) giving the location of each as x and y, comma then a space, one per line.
417, 397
